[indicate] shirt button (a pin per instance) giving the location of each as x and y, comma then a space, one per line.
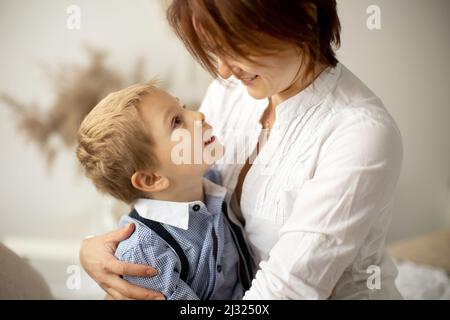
219, 268
196, 207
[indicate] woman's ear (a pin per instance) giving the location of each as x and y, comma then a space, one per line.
149, 182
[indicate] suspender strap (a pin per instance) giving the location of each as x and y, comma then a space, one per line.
246, 270
167, 237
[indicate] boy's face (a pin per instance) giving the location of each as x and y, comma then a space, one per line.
183, 140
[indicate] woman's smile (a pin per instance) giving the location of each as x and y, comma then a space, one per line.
247, 81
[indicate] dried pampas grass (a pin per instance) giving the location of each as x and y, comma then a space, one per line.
77, 90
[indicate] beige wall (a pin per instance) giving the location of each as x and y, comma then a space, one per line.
407, 64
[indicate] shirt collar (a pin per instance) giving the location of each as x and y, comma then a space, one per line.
293, 108
309, 97
177, 213
298, 104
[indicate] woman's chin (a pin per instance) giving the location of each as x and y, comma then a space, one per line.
256, 93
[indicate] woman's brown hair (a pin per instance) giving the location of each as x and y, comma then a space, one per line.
244, 28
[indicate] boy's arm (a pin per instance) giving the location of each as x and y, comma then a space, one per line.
165, 261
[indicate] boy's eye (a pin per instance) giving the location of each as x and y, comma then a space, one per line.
176, 121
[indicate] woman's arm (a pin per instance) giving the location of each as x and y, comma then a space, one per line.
97, 258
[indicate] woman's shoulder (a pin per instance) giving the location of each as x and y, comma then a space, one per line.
356, 122
352, 102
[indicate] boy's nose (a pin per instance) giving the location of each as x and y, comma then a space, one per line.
199, 116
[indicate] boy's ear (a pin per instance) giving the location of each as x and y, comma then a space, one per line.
149, 182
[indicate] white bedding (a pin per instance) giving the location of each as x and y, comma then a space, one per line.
422, 282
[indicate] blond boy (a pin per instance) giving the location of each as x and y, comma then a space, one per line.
126, 146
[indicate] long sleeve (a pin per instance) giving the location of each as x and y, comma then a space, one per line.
333, 212
167, 281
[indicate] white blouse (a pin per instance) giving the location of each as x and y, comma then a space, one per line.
316, 203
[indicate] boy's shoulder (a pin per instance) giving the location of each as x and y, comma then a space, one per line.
142, 238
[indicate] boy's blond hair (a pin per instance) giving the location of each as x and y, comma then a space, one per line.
113, 142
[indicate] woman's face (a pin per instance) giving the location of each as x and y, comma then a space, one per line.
271, 75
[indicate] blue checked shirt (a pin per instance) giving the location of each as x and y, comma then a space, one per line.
204, 235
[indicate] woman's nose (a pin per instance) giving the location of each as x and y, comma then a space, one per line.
236, 71
223, 69
226, 71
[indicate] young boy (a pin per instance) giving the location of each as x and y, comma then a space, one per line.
126, 146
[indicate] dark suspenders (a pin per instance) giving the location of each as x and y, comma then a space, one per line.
245, 265
167, 237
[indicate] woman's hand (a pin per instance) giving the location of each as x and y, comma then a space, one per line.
97, 258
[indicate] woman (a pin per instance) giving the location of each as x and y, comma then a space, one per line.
316, 200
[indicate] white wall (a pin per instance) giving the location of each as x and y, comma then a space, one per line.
407, 64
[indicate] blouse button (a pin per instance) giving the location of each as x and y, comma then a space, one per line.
323, 238
219, 268
196, 207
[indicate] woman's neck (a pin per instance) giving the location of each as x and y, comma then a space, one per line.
297, 86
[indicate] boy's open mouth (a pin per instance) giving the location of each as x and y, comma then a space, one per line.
248, 80
210, 140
